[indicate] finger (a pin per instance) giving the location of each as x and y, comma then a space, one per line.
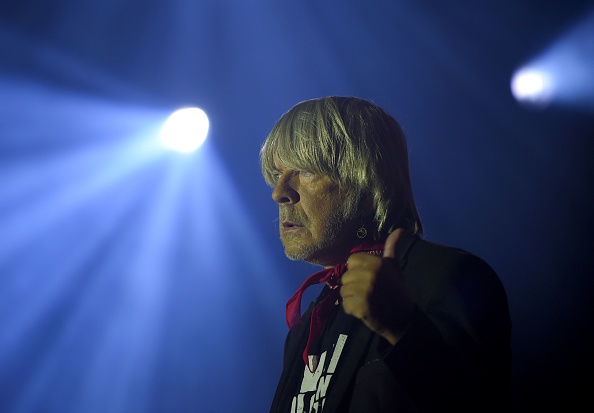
392, 243
361, 261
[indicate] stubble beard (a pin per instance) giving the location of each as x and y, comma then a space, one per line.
324, 251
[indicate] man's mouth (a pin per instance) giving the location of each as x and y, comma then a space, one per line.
289, 225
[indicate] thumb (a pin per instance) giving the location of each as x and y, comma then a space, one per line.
392, 243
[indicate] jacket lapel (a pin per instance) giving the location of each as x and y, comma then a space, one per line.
360, 339
292, 362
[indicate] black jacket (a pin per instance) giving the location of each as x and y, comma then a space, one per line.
455, 354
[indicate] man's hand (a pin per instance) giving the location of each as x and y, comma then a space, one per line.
373, 291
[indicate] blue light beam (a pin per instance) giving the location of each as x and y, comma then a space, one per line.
563, 74
129, 276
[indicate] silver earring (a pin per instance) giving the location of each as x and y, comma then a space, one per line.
362, 232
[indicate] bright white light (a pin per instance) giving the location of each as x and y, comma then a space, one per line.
532, 86
563, 73
185, 130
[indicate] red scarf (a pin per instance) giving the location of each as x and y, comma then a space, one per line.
322, 309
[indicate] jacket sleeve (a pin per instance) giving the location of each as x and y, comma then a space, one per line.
456, 351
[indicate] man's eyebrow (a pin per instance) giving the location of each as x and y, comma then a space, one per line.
276, 168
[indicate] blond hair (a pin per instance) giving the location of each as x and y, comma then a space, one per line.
356, 144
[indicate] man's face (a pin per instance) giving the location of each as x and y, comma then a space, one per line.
313, 225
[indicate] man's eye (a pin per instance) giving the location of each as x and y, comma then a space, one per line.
276, 176
307, 175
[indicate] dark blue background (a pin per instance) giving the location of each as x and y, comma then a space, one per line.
510, 183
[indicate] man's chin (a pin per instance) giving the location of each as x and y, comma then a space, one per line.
299, 253
295, 255
312, 256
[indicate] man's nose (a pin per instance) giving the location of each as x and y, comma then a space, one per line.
285, 190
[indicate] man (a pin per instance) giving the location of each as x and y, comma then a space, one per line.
402, 324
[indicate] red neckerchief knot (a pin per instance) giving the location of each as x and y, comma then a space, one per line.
323, 308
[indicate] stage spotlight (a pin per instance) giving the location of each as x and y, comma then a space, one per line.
533, 86
563, 74
185, 130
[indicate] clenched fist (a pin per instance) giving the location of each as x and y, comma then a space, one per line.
373, 291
